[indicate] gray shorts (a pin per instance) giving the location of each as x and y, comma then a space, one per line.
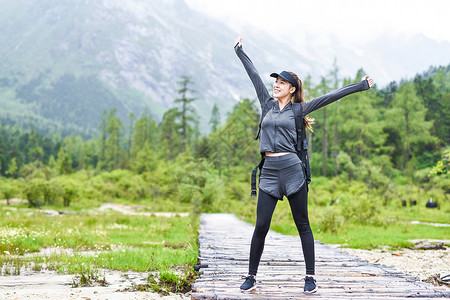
282, 175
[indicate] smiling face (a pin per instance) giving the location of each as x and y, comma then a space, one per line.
282, 88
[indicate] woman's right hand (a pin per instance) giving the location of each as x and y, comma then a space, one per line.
238, 41
370, 81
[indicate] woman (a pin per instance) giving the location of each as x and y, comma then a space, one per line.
283, 173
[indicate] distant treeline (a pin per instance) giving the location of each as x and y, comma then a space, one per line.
402, 126
373, 136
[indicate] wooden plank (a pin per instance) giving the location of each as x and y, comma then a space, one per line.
224, 249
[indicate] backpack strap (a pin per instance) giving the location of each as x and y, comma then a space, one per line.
302, 143
255, 170
297, 109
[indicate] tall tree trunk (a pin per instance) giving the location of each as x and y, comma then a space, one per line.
103, 142
358, 147
324, 143
406, 158
228, 163
364, 152
130, 130
336, 149
220, 159
183, 126
170, 141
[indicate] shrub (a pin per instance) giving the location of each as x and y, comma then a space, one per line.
212, 194
69, 188
346, 166
7, 191
330, 221
33, 192
52, 191
132, 187
235, 190
362, 210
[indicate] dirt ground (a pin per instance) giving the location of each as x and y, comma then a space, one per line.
50, 285
420, 263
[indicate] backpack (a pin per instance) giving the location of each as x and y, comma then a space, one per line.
301, 147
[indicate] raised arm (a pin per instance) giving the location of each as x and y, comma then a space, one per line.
261, 90
326, 99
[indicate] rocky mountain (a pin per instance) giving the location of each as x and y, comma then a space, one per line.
62, 63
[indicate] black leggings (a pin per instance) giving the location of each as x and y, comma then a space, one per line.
264, 212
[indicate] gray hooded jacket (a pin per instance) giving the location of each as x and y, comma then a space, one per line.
278, 126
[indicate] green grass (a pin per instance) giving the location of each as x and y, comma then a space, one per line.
389, 226
371, 237
139, 259
420, 213
115, 241
112, 240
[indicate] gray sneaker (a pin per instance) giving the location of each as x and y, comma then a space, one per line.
249, 284
310, 285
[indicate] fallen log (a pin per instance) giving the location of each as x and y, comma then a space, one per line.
437, 280
437, 246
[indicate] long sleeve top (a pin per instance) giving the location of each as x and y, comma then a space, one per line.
278, 132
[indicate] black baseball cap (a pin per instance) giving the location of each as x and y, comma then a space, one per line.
286, 76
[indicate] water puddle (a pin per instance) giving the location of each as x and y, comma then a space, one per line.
431, 224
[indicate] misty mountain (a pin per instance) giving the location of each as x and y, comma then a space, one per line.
62, 63
387, 57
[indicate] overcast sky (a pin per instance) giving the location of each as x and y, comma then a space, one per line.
351, 21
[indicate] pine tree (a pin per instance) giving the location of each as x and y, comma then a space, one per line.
145, 132
407, 116
111, 141
131, 118
435, 99
234, 137
321, 120
215, 118
12, 167
64, 162
169, 133
35, 152
186, 115
334, 119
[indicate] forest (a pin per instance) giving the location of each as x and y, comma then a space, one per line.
389, 146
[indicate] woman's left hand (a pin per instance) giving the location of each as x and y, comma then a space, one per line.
370, 81
238, 42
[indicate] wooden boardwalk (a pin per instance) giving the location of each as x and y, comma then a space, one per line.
224, 249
